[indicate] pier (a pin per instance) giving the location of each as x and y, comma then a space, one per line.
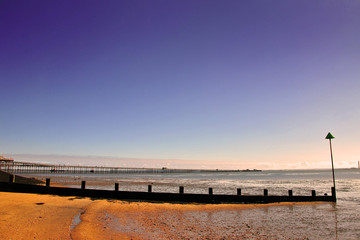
16, 167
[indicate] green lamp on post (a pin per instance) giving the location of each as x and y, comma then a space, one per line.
333, 191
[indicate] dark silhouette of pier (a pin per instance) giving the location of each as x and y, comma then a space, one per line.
16, 167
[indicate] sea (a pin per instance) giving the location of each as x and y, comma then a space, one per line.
340, 220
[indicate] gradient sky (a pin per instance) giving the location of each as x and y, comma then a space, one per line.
204, 84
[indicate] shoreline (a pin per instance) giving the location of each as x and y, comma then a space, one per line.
32, 215
43, 216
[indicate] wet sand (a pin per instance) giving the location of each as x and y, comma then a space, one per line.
34, 216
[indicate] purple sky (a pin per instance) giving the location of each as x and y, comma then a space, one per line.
213, 84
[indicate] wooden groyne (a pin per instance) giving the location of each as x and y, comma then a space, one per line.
181, 196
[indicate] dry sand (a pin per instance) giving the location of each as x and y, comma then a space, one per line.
34, 216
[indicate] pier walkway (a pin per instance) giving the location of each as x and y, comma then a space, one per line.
16, 167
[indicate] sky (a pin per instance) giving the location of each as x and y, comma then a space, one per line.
182, 84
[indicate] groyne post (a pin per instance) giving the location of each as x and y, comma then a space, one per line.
333, 193
48, 182
11, 178
239, 191
116, 186
266, 192
83, 183
181, 189
149, 188
210, 191
313, 193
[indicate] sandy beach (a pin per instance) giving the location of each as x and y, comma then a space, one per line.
34, 216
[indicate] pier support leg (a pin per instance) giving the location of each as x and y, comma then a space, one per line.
239, 191
290, 193
83, 184
116, 186
266, 192
181, 189
149, 188
48, 182
210, 191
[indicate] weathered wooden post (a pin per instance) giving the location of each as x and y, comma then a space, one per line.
181, 189
83, 183
333, 193
239, 191
313, 193
116, 186
149, 188
290, 193
210, 191
11, 178
265, 192
47, 182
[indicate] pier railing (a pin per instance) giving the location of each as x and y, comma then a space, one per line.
39, 168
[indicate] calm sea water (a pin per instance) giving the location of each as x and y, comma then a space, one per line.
339, 220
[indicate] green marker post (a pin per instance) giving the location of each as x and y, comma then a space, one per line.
330, 136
